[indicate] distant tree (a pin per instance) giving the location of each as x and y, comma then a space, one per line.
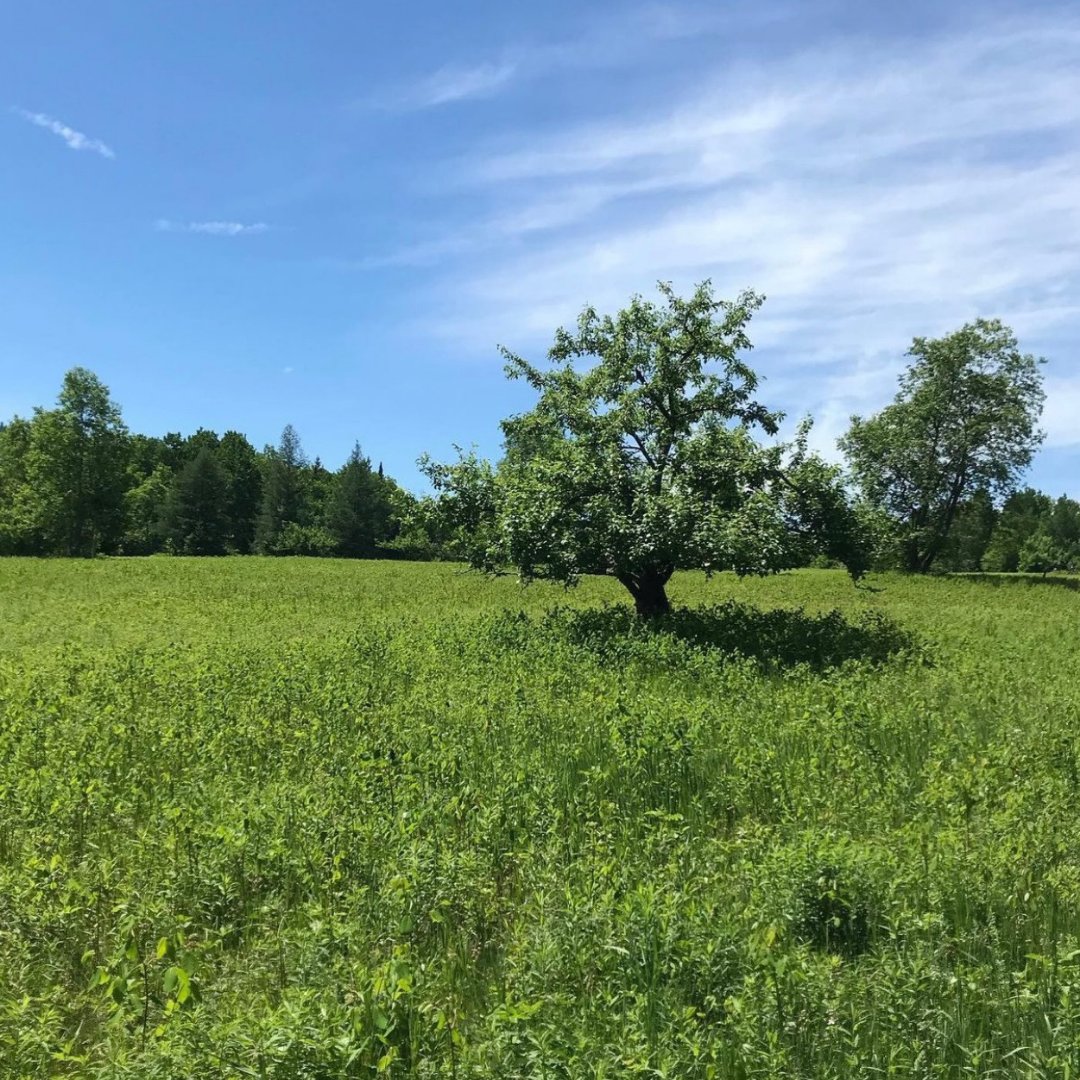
359, 509
282, 495
201, 439
965, 418
1064, 524
970, 536
145, 454
318, 487
195, 521
304, 540
1023, 514
645, 461
20, 503
174, 450
243, 495
144, 512
1041, 554
77, 465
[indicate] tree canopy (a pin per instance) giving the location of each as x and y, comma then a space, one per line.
640, 457
964, 419
74, 481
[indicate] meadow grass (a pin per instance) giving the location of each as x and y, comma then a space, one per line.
320, 819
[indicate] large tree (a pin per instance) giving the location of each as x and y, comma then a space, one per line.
282, 490
639, 458
358, 508
20, 503
77, 467
965, 418
196, 521
243, 497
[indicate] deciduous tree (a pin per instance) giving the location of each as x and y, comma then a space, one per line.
640, 457
965, 418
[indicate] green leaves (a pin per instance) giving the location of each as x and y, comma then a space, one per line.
964, 420
640, 457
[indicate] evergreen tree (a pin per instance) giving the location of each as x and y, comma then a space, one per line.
283, 496
195, 520
358, 512
318, 486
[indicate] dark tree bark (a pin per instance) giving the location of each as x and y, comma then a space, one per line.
647, 589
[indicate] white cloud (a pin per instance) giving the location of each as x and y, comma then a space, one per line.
76, 140
872, 193
450, 84
212, 228
598, 41
1061, 414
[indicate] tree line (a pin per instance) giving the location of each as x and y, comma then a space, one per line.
75, 482
639, 458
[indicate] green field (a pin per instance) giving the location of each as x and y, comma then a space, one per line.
321, 819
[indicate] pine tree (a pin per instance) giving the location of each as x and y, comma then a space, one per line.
358, 510
195, 519
282, 498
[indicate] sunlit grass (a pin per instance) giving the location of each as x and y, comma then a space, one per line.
307, 818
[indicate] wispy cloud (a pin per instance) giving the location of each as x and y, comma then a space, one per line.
598, 43
872, 193
451, 84
212, 228
76, 140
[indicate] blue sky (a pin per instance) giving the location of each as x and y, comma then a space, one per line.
248, 214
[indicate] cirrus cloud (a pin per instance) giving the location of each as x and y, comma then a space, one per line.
75, 140
212, 228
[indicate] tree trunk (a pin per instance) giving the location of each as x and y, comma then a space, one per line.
647, 589
912, 557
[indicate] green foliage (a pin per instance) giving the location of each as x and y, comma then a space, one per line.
964, 420
297, 539
327, 818
20, 507
971, 533
62, 474
195, 521
74, 482
145, 504
359, 510
283, 491
644, 461
243, 496
1041, 553
1024, 515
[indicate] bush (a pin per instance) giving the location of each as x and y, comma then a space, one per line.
303, 540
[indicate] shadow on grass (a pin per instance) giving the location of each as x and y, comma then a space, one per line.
999, 580
781, 638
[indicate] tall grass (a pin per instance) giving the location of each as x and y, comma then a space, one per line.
318, 819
